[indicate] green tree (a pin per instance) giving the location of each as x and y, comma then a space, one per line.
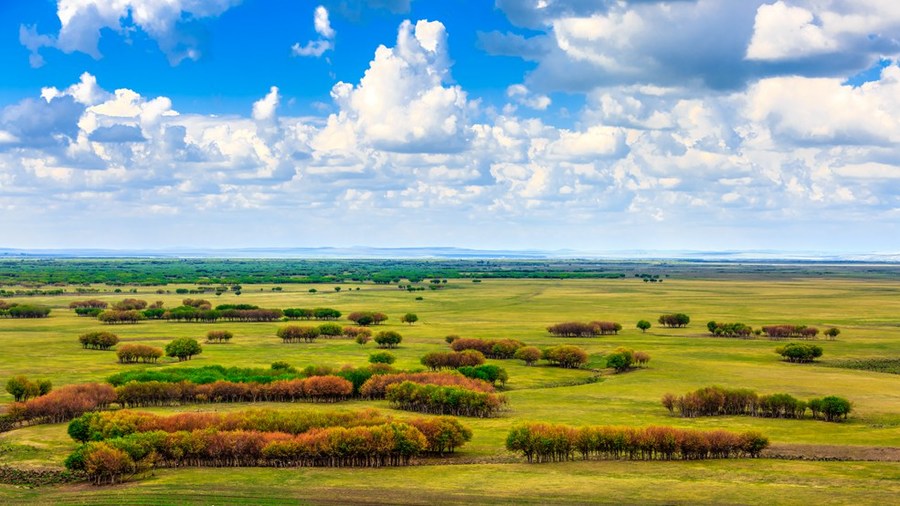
388, 339
643, 325
410, 318
184, 348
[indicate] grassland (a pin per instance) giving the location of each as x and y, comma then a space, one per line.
866, 310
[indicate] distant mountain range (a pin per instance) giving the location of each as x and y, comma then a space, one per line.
361, 252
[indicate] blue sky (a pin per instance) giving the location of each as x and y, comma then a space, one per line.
589, 125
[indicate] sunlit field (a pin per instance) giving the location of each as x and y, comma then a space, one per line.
683, 359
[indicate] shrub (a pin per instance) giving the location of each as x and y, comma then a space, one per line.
184, 348
799, 352
528, 354
98, 340
131, 353
388, 339
641, 358
382, 357
218, 336
567, 356
449, 339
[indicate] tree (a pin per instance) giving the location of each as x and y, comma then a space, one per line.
410, 318
528, 354
388, 339
674, 320
570, 357
382, 357
834, 408
643, 325
218, 336
799, 352
184, 348
832, 333
362, 339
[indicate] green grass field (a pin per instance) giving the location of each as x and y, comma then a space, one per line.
867, 312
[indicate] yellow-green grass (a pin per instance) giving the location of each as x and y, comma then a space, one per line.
867, 312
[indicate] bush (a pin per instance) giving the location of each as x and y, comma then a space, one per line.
98, 340
388, 339
799, 352
131, 353
528, 354
184, 348
620, 360
567, 356
218, 336
382, 357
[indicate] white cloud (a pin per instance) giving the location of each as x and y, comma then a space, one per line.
523, 96
401, 104
82, 22
322, 25
784, 32
264, 108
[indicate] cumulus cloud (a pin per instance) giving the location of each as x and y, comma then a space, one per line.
523, 96
165, 21
719, 44
408, 146
401, 103
325, 42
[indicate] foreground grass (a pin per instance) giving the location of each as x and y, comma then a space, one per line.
719, 482
683, 359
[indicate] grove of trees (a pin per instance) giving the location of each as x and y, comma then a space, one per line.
719, 401
98, 340
674, 320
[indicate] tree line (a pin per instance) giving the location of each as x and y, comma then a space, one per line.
719, 401
579, 329
16, 310
444, 400
539, 442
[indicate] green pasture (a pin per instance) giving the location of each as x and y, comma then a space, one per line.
866, 310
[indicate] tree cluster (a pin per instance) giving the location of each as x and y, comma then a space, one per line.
183, 348
720, 329
388, 339
98, 340
116, 316
193, 314
490, 348
219, 336
529, 354
22, 388
540, 442
579, 329
16, 310
487, 372
91, 304
623, 359
133, 353
438, 360
113, 460
787, 331
297, 333
312, 389
674, 320
376, 386
366, 318
716, 401
567, 356
63, 404
130, 305
801, 353
444, 400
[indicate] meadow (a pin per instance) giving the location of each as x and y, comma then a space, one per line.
867, 310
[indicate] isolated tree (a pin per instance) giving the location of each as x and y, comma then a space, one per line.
832, 333
362, 339
410, 318
643, 325
184, 348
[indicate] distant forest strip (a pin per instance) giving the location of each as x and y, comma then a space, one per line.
279, 271
37, 272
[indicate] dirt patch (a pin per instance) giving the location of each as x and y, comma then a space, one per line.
832, 452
